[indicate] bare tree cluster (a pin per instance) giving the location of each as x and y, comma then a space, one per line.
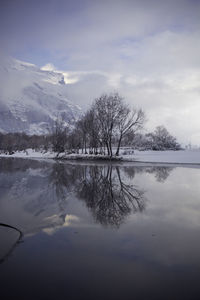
159, 139
107, 123
12, 142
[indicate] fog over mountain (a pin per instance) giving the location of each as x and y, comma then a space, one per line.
147, 50
31, 99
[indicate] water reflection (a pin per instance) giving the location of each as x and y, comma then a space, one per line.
41, 191
108, 196
153, 255
34, 195
10, 238
161, 173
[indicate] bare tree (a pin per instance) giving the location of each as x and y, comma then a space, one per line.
59, 137
107, 109
116, 119
128, 120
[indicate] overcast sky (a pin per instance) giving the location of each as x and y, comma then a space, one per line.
148, 51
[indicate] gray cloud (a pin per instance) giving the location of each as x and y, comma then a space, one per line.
147, 50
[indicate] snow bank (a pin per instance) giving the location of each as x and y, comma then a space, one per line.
181, 156
174, 157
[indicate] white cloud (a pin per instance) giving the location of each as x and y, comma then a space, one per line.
48, 67
147, 50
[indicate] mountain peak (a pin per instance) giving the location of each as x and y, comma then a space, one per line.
32, 98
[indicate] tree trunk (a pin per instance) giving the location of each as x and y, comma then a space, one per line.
118, 146
85, 148
108, 149
111, 150
110, 146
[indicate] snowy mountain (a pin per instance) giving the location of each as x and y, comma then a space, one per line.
31, 99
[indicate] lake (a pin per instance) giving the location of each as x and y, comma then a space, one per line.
74, 230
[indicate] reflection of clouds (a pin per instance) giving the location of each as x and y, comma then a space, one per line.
70, 221
27, 200
41, 202
167, 232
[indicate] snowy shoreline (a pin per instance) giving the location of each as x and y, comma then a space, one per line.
191, 157
167, 157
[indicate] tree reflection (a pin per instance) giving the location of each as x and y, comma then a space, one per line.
161, 173
107, 196
62, 179
106, 189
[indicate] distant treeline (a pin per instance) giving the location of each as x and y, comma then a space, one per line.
159, 139
108, 123
12, 142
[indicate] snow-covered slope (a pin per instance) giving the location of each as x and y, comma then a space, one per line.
31, 99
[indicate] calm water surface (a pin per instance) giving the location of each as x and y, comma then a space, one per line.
104, 231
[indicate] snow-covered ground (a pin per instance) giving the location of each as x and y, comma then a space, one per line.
180, 157
30, 153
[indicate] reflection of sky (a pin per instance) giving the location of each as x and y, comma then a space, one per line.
156, 250
172, 207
